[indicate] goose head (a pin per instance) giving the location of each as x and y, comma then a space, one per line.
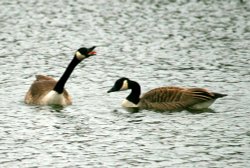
120, 84
83, 53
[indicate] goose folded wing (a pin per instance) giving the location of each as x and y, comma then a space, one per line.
174, 98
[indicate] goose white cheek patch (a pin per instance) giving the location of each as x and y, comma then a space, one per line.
124, 85
79, 55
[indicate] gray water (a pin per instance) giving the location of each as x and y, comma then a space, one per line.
157, 43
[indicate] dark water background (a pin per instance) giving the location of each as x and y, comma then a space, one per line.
157, 43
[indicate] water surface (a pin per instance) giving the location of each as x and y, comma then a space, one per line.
201, 44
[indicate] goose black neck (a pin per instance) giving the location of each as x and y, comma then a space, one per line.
61, 83
134, 96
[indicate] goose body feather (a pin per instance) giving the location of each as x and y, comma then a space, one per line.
176, 98
170, 98
41, 92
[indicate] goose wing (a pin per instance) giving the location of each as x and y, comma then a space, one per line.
43, 77
174, 98
39, 88
42, 85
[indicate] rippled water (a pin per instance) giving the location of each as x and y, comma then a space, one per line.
178, 42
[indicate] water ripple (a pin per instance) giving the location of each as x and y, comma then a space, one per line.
202, 44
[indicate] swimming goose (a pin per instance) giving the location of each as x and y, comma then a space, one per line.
47, 91
165, 98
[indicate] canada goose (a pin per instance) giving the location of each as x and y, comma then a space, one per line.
47, 91
165, 98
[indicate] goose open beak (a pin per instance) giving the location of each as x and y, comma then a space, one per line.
91, 51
